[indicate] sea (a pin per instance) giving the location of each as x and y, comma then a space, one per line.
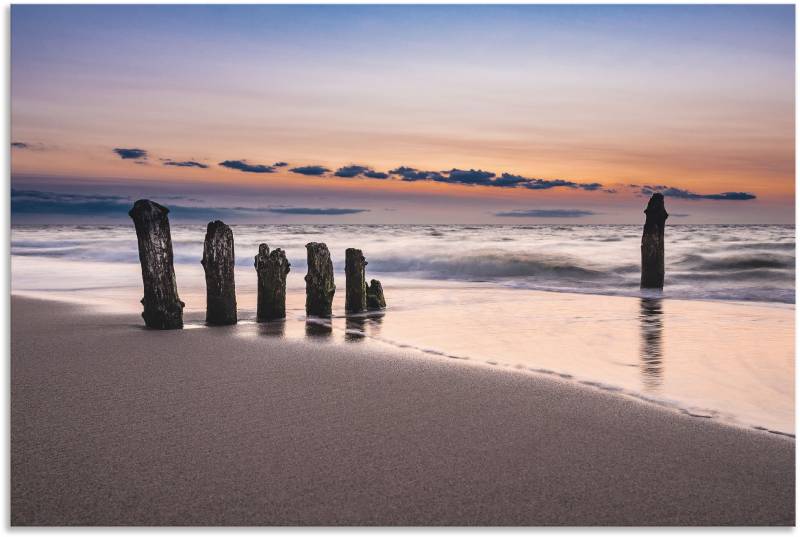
556, 300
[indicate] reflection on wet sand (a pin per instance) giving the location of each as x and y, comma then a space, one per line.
272, 328
356, 327
318, 328
652, 328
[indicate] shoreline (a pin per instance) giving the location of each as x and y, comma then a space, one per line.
195, 319
350, 427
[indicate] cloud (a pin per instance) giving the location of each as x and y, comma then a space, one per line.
315, 211
350, 171
310, 170
130, 153
546, 184
545, 213
355, 170
508, 180
34, 203
733, 196
48, 203
280, 164
467, 177
185, 164
530, 183
243, 166
590, 186
63, 197
30, 146
679, 193
412, 174
486, 178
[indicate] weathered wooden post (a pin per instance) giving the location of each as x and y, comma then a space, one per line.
319, 280
375, 299
355, 281
272, 268
653, 243
162, 307
218, 262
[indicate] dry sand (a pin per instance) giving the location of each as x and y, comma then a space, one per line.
115, 425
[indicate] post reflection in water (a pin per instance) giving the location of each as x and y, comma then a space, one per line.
356, 327
272, 328
318, 328
652, 354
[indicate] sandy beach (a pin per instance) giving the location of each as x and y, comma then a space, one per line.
112, 424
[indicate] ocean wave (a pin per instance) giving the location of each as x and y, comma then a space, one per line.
744, 263
738, 262
788, 246
765, 275
489, 265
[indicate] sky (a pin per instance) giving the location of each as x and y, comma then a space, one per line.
404, 113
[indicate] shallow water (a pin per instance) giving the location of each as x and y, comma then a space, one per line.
724, 262
464, 292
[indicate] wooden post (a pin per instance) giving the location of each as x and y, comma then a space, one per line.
375, 299
162, 307
218, 262
355, 281
319, 280
653, 243
272, 268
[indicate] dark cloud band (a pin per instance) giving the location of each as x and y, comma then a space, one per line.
679, 193
546, 213
312, 211
34, 202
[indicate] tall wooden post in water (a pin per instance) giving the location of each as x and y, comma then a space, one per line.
218, 262
272, 268
653, 243
355, 281
319, 280
162, 307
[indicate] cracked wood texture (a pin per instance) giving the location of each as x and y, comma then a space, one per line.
355, 281
163, 308
272, 268
653, 243
218, 262
319, 280
375, 299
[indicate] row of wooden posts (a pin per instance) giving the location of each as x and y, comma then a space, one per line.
163, 309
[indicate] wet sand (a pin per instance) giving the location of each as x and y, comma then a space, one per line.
112, 424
